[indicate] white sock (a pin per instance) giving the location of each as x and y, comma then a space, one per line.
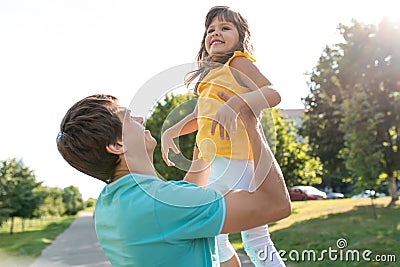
260, 248
225, 249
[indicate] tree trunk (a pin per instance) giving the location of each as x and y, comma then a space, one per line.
393, 189
12, 225
373, 208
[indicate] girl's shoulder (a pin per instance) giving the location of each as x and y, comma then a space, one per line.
246, 72
239, 55
242, 62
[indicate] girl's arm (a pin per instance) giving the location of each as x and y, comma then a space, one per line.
185, 126
247, 74
261, 96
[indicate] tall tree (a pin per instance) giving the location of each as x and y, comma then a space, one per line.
376, 87
322, 116
354, 97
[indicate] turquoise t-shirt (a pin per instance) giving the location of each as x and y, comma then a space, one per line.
143, 221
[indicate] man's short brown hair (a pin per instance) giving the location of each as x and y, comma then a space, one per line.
86, 129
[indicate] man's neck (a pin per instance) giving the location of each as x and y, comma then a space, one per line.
134, 166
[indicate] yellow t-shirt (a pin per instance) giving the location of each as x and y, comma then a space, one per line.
221, 78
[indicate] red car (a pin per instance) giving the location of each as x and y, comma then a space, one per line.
305, 192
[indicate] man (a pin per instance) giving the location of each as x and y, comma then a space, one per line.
142, 220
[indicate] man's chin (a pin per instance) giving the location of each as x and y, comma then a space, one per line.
150, 149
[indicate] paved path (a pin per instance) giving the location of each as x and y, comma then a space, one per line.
78, 246
245, 261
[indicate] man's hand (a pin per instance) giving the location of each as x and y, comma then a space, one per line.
226, 117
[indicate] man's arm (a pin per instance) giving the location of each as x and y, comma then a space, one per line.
199, 170
270, 202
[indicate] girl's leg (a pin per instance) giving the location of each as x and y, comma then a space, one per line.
260, 248
232, 262
227, 254
228, 174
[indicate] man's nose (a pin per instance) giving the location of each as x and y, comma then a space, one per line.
139, 119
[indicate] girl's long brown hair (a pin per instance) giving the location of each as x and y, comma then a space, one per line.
206, 62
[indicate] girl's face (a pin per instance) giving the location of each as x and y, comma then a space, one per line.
222, 36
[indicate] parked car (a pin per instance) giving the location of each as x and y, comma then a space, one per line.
368, 193
334, 195
305, 192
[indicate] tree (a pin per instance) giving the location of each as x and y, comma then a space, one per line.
91, 202
52, 204
297, 164
5, 210
18, 198
166, 113
322, 116
72, 200
355, 91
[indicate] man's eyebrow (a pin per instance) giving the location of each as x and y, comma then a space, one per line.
122, 110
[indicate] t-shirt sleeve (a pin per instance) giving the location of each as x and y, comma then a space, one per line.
186, 211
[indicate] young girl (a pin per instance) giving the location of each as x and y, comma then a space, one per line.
224, 64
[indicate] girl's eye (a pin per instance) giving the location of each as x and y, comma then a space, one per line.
210, 31
226, 28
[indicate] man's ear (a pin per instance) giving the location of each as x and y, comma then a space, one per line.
117, 149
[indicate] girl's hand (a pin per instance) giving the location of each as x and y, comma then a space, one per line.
167, 143
226, 117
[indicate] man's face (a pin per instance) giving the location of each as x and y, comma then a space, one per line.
134, 135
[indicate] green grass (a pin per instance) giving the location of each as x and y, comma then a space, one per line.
315, 226
21, 248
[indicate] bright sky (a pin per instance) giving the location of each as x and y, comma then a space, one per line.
53, 53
